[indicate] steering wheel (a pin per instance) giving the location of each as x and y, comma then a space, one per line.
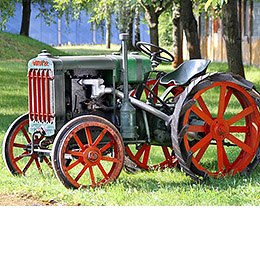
143, 47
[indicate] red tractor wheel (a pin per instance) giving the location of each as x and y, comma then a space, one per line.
16, 146
87, 152
153, 157
219, 132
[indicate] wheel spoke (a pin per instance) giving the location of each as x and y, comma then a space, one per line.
239, 143
201, 143
47, 161
38, 165
81, 172
220, 156
225, 158
19, 157
73, 164
227, 98
19, 145
240, 115
146, 154
197, 128
140, 152
26, 167
201, 114
99, 138
167, 155
81, 146
108, 145
92, 175
203, 106
238, 129
109, 159
26, 135
147, 48
75, 153
103, 171
88, 136
221, 106
202, 151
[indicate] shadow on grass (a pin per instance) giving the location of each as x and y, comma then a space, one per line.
149, 184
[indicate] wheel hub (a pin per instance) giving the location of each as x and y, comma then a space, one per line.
92, 155
219, 129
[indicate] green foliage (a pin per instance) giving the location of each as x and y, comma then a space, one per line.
7, 10
165, 28
213, 3
48, 9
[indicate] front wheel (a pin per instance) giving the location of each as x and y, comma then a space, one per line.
16, 148
87, 152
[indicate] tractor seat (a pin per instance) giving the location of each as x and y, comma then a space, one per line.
185, 72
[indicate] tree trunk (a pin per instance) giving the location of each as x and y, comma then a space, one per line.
232, 38
108, 31
26, 17
177, 37
190, 28
130, 25
137, 24
154, 35
153, 20
152, 13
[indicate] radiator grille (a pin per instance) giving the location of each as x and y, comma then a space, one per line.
41, 103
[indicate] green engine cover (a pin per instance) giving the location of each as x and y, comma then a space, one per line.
46, 83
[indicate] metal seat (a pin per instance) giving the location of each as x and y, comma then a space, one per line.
185, 72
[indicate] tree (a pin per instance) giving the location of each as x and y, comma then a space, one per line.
177, 35
124, 16
7, 10
26, 7
153, 9
125, 19
232, 36
190, 28
137, 23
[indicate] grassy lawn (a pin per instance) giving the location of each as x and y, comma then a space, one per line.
169, 187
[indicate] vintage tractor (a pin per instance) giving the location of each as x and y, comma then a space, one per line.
88, 115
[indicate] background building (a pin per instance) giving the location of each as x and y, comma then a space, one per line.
78, 32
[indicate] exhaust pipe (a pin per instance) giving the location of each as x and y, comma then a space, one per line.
127, 111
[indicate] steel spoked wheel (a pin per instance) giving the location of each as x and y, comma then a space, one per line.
16, 148
87, 152
152, 157
220, 131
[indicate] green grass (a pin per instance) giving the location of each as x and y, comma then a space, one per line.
17, 47
169, 187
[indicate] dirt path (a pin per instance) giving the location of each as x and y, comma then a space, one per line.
24, 200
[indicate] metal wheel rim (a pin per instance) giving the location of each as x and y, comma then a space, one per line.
250, 144
87, 166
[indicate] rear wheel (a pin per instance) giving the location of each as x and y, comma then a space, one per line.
218, 131
87, 152
153, 157
16, 148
